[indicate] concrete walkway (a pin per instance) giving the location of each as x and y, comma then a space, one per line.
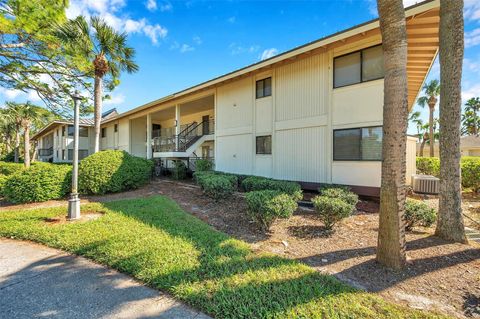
37, 281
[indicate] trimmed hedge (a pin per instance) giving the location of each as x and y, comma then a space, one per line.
418, 213
340, 193
257, 183
38, 183
3, 180
8, 168
202, 165
470, 166
265, 206
113, 171
331, 210
216, 186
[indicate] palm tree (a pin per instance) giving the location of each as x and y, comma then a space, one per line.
424, 136
470, 117
99, 49
391, 231
12, 113
450, 224
431, 92
7, 129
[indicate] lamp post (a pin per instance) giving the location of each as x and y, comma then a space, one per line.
74, 201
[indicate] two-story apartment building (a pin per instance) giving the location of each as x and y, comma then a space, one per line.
312, 114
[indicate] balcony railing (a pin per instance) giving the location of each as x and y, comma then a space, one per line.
189, 134
45, 152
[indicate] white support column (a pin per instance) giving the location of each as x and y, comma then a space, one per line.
149, 136
177, 124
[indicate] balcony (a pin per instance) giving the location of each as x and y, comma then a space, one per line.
45, 152
189, 135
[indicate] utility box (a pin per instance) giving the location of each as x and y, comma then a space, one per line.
425, 184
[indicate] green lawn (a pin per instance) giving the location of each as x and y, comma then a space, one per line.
155, 241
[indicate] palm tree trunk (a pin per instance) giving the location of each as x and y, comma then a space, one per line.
98, 93
8, 142
391, 232
26, 144
450, 219
422, 146
431, 132
16, 155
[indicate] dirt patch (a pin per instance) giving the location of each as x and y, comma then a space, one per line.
85, 216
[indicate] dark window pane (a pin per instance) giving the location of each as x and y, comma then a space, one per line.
83, 131
264, 144
346, 144
70, 130
347, 69
372, 67
104, 132
267, 87
115, 127
372, 143
259, 89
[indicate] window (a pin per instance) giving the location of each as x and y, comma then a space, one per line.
358, 144
104, 132
82, 131
264, 88
81, 154
264, 144
360, 66
115, 128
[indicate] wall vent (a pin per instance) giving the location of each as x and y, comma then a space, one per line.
425, 184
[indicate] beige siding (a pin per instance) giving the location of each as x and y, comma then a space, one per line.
301, 154
235, 155
411, 158
301, 88
234, 105
124, 135
357, 173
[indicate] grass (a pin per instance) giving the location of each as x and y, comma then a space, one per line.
155, 241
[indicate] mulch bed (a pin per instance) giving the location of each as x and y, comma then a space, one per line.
440, 275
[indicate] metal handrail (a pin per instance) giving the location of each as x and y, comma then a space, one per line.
45, 151
182, 141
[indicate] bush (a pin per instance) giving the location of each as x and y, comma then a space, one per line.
202, 165
341, 193
216, 186
113, 171
179, 170
3, 180
257, 183
8, 168
418, 213
331, 210
471, 172
38, 183
266, 206
428, 166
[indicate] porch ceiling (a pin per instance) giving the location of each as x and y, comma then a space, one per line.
422, 37
203, 104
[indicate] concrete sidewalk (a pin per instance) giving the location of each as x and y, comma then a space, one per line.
37, 281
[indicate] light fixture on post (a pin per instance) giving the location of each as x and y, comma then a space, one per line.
74, 201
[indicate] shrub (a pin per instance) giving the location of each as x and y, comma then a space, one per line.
265, 206
331, 210
340, 193
418, 213
202, 165
38, 183
216, 186
179, 170
9, 168
3, 180
471, 172
113, 171
257, 183
428, 166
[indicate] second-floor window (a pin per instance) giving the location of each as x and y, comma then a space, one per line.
104, 132
263, 88
360, 66
82, 131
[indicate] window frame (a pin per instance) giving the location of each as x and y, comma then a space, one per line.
263, 88
271, 144
80, 128
115, 128
361, 137
103, 132
361, 67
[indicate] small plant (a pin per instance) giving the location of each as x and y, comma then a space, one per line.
3, 180
265, 206
39, 183
418, 213
179, 170
331, 210
340, 193
202, 165
256, 183
216, 186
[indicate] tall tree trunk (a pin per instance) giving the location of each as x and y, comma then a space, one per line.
98, 93
431, 132
422, 146
16, 155
391, 232
450, 219
26, 144
8, 145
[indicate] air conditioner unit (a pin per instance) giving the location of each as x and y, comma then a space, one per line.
425, 184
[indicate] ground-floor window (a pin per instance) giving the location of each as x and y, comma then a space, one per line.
81, 154
358, 144
264, 144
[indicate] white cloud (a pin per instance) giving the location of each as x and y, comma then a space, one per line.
115, 99
408, 3
472, 38
472, 91
108, 10
197, 40
151, 5
186, 48
33, 96
472, 9
166, 6
232, 19
11, 94
471, 65
239, 49
268, 53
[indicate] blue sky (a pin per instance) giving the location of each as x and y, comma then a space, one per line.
182, 43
